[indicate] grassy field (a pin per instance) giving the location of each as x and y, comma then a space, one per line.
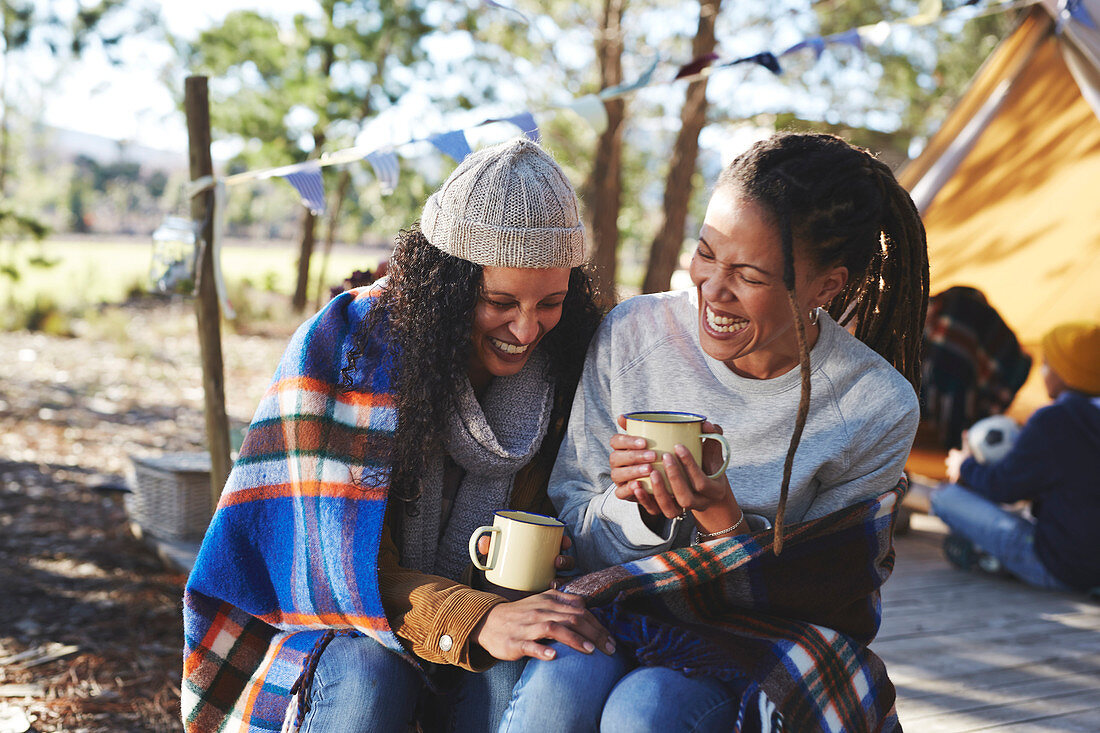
91, 271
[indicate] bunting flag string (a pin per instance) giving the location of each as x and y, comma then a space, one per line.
306, 177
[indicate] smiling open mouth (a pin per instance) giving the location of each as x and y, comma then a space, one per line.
724, 324
508, 348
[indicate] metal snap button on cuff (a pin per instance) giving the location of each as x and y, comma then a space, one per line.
445, 643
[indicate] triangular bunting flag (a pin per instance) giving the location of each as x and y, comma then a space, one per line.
453, 144
308, 184
817, 43
928, 11
850, 37
694, 66
591, 109
766, 59
638, 83
525, 121
1075, 9
386, 169
495, 4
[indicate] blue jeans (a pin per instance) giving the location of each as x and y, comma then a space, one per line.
577, 692
359, 686
1006, 536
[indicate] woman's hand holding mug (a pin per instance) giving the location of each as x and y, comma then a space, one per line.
519, 559
683, 485
631, 461
562, 562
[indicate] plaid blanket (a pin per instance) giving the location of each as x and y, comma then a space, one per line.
289, 557
794, 627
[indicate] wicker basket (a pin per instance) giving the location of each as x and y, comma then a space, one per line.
171, 495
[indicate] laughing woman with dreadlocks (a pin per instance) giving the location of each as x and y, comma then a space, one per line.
720, 625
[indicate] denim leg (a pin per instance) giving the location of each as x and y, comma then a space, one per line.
483, 697
564, 694
666, 701
359, 686
1006, 536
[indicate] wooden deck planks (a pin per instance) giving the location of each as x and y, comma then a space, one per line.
970, 652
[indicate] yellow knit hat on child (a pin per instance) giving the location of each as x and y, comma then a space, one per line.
1073, 351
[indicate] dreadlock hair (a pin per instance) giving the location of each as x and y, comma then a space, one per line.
425, 314
842, 206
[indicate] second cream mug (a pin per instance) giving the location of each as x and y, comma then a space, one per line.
522, 550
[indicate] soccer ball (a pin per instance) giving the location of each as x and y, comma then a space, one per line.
991, 438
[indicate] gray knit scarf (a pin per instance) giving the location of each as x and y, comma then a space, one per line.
492, 442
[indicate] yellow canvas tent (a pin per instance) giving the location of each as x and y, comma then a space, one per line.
1009, 187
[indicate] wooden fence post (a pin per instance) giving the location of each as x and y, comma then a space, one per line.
207, 310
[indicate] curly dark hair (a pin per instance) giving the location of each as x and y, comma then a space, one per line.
426, 311
842, 206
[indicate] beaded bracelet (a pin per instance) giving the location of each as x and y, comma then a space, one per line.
711, 535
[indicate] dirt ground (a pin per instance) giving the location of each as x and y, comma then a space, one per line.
90, 617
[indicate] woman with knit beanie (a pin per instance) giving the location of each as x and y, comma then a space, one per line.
723, 622
333, 590
1054, 463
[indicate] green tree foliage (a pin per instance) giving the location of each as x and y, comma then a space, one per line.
65, 30
916, 75
288, 92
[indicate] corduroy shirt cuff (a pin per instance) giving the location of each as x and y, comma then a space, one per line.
460, 613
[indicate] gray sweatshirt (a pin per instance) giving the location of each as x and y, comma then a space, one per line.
646, 356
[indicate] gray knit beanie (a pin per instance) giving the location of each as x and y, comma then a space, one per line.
508, 205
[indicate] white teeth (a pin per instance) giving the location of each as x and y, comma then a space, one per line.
507, 347
724, 324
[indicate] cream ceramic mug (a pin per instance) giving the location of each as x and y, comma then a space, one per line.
522, 550
664, 430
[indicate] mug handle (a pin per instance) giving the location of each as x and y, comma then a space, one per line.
725, 452
473, 546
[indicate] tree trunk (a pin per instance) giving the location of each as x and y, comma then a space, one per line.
5, 61
330, 234
309, 221
665, 252
603, 189
309, 226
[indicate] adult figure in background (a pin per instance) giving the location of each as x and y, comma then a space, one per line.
802, 231
1054, 463
333, 589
